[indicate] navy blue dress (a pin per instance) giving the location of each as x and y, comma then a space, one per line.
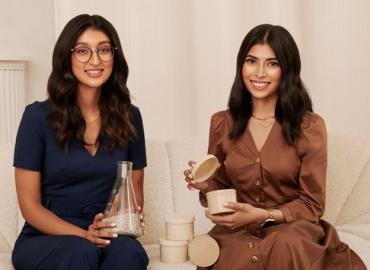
75, 186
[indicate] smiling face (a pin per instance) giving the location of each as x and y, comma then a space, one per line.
94, 73
261, 73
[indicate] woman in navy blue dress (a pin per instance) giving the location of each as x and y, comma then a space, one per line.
66, 153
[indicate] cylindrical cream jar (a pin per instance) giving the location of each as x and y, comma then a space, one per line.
218, 198
179, 227
173, 251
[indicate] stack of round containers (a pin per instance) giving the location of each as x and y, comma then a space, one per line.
203, 250
179, 230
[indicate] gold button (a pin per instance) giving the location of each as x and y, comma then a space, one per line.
258, 160
250, 245
254, 258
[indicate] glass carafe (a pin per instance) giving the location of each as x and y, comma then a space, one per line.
122, 208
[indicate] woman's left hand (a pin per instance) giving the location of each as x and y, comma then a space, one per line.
244, 214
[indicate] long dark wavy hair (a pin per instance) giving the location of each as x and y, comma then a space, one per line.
293, 99
114, 103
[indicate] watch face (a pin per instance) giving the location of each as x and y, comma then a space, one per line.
268, 222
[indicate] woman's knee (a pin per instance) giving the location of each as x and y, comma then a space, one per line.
126, 249
78, 246
285, 235
129, 244
53, 252
78, 253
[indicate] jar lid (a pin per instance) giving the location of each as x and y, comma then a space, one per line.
173, 243
205, 168
203, 250
179, 219
229, 191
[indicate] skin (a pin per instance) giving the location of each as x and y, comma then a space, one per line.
91, 76
261, 76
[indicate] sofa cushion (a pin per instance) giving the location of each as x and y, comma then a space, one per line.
357, 244
358, 202
360, 230
180, 151
8, 201
5, 261
157, 191
347, 159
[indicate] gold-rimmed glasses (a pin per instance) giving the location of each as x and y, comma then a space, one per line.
84, 54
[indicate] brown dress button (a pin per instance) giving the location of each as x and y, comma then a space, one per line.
254, 258
250, 245
258, 182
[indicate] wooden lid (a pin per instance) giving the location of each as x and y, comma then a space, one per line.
205, 168
203, 250
179, 219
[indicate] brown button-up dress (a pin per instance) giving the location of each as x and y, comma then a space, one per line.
280, 176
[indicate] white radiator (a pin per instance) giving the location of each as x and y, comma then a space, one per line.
12, 98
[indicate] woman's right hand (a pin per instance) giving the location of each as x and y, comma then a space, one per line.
202, 186
100, 230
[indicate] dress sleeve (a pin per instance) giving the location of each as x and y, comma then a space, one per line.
312, 150
136, 149
29, 145
217, 134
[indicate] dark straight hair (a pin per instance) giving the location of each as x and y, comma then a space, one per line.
293, 98
114, 103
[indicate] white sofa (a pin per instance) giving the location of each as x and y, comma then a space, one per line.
348, 195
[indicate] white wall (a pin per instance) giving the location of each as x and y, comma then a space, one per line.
155, 37
336, 61
220, 28
182, 54
27, 33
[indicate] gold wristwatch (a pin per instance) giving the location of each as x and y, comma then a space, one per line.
270, 220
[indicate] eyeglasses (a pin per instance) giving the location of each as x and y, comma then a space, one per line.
84, 54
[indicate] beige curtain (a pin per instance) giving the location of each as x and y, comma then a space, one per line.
182, 53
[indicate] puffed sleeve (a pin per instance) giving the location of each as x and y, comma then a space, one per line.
312, 150
136, 149
30, 142
217, 133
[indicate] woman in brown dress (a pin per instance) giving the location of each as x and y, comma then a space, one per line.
273, 151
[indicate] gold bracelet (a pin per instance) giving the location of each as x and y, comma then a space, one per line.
270, 214
270, 218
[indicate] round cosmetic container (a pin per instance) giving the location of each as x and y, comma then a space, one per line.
173, 251
218, 198
179, 227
